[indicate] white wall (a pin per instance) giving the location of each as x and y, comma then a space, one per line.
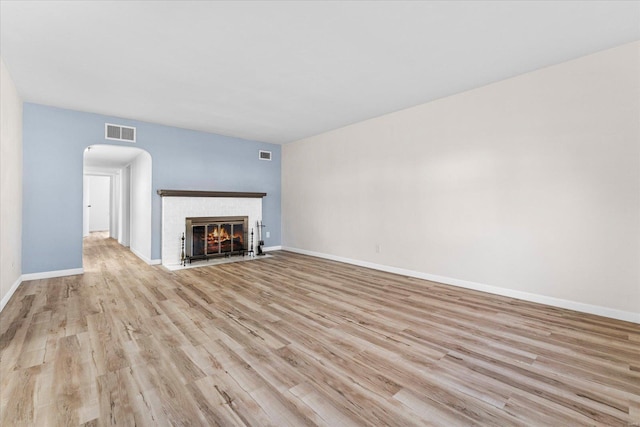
114, 208
124, 215
140, 206
10, 186
528, 187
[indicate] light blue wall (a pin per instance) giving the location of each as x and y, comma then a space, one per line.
54, 140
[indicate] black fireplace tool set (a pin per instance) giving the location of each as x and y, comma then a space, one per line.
260, 241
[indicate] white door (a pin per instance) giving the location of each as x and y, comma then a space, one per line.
85, 205
99, 198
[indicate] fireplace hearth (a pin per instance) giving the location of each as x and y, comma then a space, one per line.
210, 237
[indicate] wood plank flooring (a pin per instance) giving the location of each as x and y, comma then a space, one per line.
294, 340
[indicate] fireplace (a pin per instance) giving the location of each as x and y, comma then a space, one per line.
209, 237
178, 205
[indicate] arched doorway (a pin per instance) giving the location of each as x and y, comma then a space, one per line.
127, 172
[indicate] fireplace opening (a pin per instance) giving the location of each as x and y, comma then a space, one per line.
209, 237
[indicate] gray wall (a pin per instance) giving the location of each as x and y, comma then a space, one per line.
54, 142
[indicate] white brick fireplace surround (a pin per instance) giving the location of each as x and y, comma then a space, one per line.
178, 205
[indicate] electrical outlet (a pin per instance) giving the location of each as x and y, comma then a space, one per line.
268, 234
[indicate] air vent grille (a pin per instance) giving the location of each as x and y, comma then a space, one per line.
264, 155
119, 133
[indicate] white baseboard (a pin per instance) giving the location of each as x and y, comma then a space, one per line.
12, 290
51, 274
526, 296
144, 258
272, 248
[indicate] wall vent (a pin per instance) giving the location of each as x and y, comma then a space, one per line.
264, 155
119, 133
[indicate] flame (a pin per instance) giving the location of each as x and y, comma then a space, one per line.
223, 235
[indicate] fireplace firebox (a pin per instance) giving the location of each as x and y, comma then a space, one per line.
209, 237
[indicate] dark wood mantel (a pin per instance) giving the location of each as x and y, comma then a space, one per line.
196, 193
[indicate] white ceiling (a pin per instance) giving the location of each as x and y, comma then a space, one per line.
281, 71
107, 158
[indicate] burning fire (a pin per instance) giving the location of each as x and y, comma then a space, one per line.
223, 235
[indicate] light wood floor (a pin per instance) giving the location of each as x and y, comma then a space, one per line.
294, 340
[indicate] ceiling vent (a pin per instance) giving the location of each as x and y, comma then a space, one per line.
119, 133
264, 155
